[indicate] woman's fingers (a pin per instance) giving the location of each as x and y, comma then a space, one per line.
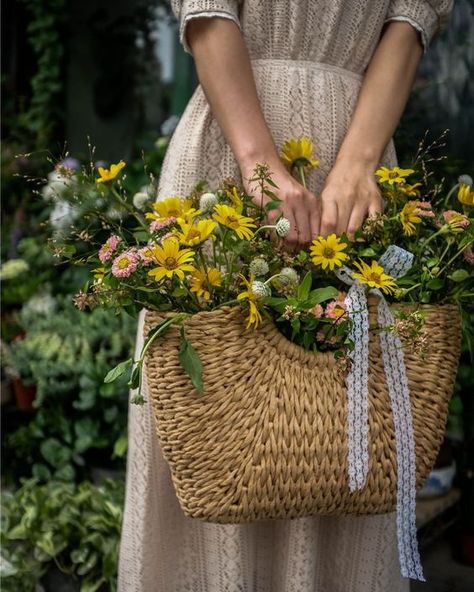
329, 217
315, 218
356, 220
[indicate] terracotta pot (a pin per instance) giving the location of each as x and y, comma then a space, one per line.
24, 395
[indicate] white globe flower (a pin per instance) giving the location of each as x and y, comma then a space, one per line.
465, 180
62, 215
140, 200
13, 268
57, 185
258, 266
260, 289
288, 275
207, 202
282, 227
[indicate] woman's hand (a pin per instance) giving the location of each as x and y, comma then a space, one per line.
350, 194
299, 206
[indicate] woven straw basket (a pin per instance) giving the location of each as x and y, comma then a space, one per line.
267, 439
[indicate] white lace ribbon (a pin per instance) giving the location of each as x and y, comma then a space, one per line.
396, 262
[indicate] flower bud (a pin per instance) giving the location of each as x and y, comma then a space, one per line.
258, 266
260, 289
207, 202
282, 227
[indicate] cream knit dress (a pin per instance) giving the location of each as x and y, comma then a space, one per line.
308, 58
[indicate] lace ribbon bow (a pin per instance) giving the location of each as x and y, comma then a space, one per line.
396, 262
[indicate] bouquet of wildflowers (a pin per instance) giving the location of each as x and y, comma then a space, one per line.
214, 248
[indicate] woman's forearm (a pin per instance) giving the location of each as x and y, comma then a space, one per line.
384, 94
225, 73
350, 191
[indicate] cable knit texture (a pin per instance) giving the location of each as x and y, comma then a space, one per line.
308, 59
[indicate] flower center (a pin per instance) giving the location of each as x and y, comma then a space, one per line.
328, 253
193, 233
123, 262
392, 175
171, 263
374, 277
174, 213
232, 221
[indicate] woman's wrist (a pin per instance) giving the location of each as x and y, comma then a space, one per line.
366, 158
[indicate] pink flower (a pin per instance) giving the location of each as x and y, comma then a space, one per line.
165, 236
157, 225
320, 336
107, 249
424, 209
125, 264
146, 255
456, 219
468, 255
317, 311
336, 309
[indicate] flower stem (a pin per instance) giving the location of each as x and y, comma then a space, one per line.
302, 176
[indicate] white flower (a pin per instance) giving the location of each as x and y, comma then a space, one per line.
62, 215
282, 227
140, 200
169, 125
13, 268
40, 304
288, 275
260, 289
258, 266
465, 180
57, 185
207, 202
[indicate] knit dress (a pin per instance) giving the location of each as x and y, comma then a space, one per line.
308, 58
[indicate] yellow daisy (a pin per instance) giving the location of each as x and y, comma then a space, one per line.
110, 174
466, 195
298, 152
241, 225
409, 216
234, 198
410, 190
202, 280
173, 207
254, 318
195, 233
172, 260
394, 175
374, 276
327, 252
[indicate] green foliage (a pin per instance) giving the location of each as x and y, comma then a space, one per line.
44, 112
73, 527
66, 354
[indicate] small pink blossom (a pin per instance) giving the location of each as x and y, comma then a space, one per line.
167, 235
157, 225
456, 219
468, 255
125, 264
320, 336
317, 311
146, 255
424, 209
336, 309
334, 339
108, 248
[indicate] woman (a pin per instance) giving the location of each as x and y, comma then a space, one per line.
339, 71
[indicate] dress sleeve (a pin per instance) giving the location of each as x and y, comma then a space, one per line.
186, 10
428, 17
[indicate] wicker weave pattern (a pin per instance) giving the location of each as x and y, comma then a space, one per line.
267, 440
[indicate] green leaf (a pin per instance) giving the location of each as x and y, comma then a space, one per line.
118, 371
191, 362
54, 452
120, 447
435, 284
134, 381
459, 275
368, 252
320, 295
305, 287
